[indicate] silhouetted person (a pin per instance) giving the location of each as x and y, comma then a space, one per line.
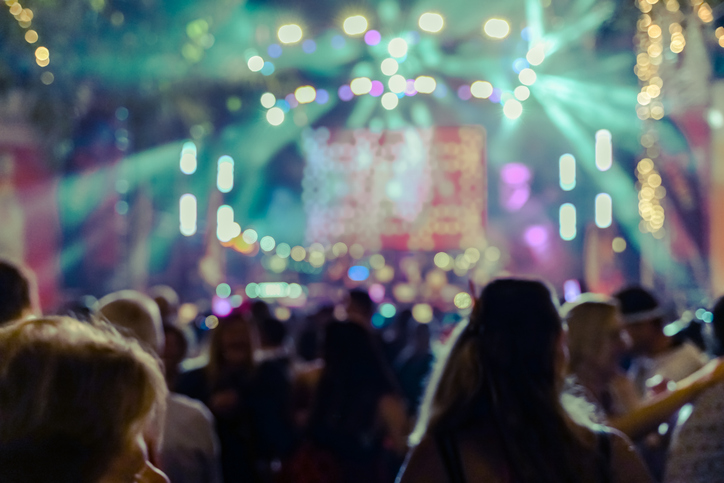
18, 295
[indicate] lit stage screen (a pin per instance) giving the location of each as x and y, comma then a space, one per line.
411, 189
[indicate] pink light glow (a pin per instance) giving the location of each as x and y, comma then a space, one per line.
377, 88
372, 37
515, 173
536, 236
292, 101
377, 292
220, 307
464, 93
410, 89
345, 93
515, 198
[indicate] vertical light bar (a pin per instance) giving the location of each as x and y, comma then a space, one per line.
567, 220
187, 214
567, 172
226, 228
188, 163
225, 174
604, 210
604, 150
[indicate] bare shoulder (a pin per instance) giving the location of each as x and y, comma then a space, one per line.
626, 463
422, 464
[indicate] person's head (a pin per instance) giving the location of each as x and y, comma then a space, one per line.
360, 307
75, 401
174, 351
135, 313
260, 310
167, 300
232, 345
272, 333
595, 340
505, 368
718, 321
18, 297
642, 317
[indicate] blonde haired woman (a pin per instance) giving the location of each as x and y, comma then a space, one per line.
493, 408
595, 343
76, 401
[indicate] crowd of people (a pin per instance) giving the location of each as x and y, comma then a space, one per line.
521, 390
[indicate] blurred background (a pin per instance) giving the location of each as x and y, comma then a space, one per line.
291, 151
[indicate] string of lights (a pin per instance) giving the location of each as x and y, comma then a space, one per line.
24, 17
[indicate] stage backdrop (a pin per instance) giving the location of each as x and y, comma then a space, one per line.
412, 189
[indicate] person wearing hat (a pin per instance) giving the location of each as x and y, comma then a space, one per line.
657, 358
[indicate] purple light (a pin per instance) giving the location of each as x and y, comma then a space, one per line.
495, 96
309, 46
345, 93
515, 173
220, 307
293, 102
410, 89
377, 292
514, 199
372, 37
275, 51
536, 236
377, 89
322, 96
571, 290
464, 93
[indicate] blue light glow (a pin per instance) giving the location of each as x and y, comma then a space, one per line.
358, 273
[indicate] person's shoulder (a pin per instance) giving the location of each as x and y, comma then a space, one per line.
626, 463
187, 408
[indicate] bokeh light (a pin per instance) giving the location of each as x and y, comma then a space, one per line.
463, 301
267, 243
275, 116
496, 28
188, 163
298, 253
250, 236
388, 311
187, 214
512, 109
397, 47
223, 290
604, 150
268, 100
289, 34
389, 66
305, 94
358, 273
618, 244
397, 84
372, 37
481, 89
284, 250
355, 25
255, 63
527, 77
567, 221
536, 54
604, 210
360, 86
431, 22
567, 172
389, 101
422, 313
225, 174
521, 93
425, 84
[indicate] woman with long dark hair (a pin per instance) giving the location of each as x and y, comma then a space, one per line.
495, 409
358, 423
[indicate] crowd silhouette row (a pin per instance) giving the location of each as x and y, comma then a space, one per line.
521, 390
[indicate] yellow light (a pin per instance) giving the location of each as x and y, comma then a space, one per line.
653, 91
496, 28
389, 101
356, 251
377, 261
536, 55
422, 313
481, 89
718, 32
41, 53
397, 47
31, 36
492, 254
472, 254
282, 313
16, 9
618, 244
360, 86
441, 260
255, 63
521, 93
305, 94
275, 116
316, 259
250, 236
290, 34
463, 301
42, 63
397, 83
425, 84
355, 25
268, 100
385, 274
512, 109
47, 78
527, 77
339, 249
389, 66
654, 31
298, 253
431, 22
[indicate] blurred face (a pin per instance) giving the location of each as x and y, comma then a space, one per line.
642, 336
133, 466
236, 344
